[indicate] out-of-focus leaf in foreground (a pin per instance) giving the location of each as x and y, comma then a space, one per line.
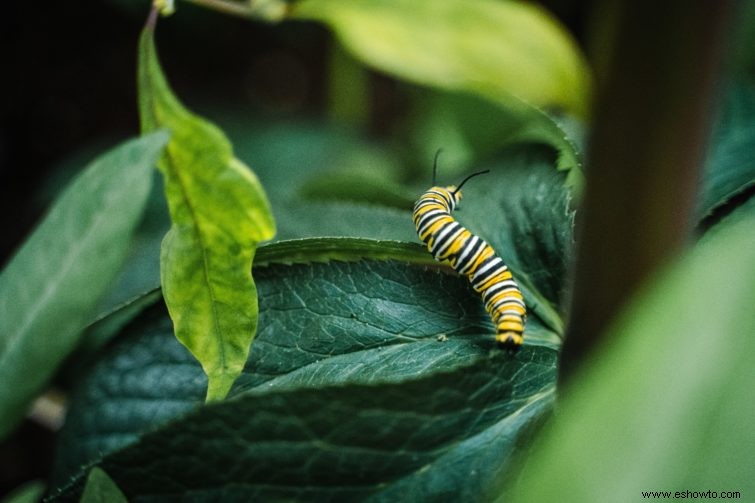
498, 49
667, 405
219, 213
30, 492
51, 286
513, 54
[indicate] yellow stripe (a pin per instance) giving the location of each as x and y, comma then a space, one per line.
514, 326
435, 227
495, 279
485, 254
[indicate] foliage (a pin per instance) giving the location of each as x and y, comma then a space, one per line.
349, 365
219, 213
51, 286
678, 372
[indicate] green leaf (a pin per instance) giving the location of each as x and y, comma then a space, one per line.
352, 317
667, 404
471, 127
498, 49
219, 213
744, 211
730, 167
30, 492
523, 188
513, 54
351, 350
51, 286
532, 227
100, 488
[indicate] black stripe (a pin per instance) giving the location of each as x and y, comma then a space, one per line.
428, 219
448, 200
497, 287
473, 254
449, 230
487, 275
451, 240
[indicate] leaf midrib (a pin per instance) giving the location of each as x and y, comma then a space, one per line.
196, 228
62, 273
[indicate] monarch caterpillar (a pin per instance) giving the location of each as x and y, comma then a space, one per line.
471, 256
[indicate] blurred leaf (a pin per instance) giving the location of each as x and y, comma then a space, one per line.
108, 324
730, 167
470, 128
495, 48
30, 492
742, 44
360, 185
219, 212
50, 287
100, 488
504, 51
348, 89
667, 404
348, 349
744, 211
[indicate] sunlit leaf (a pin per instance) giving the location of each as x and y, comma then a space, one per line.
499, 49
219, 213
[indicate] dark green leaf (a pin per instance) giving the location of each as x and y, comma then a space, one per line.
667, 405
219, 213
523, 211
333, 338
744, 211
532, 231
51, 286
730, 167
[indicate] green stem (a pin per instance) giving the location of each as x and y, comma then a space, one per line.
653, 113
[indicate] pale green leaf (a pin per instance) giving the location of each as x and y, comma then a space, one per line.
667, 403
219, 213
499, 49
100, 488
51, 286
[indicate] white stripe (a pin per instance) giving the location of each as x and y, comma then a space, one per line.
468, 247
493, 262
451, 239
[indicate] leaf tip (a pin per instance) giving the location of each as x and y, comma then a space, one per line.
218, 386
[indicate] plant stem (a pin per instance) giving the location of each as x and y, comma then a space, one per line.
653, 114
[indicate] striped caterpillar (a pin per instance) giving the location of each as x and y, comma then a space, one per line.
471, 256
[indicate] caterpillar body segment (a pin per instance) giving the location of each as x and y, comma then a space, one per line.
450, 242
